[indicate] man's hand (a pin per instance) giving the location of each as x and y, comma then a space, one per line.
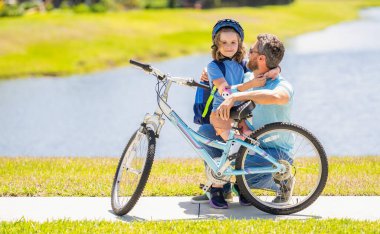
204, 75
224, 109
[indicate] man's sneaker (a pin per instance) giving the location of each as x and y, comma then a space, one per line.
204, 198
217, 200
286, 190
200, 199
242, 200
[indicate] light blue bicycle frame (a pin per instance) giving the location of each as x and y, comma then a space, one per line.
196, 139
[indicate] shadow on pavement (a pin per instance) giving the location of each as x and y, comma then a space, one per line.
235, 211
185, 210
127, 218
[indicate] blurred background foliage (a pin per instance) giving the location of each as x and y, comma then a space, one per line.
72, 37
20, 7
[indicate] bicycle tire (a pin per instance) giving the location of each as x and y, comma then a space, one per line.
259, 200
122, 209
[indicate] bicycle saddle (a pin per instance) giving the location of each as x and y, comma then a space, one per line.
242, 111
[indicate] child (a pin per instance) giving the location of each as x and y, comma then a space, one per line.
228, 49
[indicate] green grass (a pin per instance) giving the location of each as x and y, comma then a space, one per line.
61, 42
209, 226
169, 177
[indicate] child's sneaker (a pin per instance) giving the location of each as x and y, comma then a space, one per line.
217, 200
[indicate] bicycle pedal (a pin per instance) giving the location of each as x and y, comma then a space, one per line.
201, 186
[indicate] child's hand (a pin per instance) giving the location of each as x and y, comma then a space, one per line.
258, 81
273, 73
204, 75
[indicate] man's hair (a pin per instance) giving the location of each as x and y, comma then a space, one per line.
238, 56
273, 49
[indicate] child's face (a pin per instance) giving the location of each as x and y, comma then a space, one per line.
228, 44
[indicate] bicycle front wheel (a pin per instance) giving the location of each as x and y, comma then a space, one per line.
133, 171
306, 169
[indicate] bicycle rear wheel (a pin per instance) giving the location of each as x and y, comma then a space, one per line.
133, 171
307, 169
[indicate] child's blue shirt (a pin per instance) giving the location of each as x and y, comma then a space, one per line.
234, 75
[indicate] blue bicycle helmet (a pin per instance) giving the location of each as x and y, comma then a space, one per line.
228, 23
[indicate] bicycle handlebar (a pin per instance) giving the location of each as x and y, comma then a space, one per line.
194, 83
145, 67
159, 75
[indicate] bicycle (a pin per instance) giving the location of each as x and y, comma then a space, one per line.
279, 158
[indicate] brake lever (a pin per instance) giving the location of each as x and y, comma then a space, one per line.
157, 73
182, 80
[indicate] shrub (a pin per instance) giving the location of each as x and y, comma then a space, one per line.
49, 6
81, 8
29, 5
98, 7
129, 3
106, 5
12, 10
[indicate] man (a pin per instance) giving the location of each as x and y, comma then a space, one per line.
273, 99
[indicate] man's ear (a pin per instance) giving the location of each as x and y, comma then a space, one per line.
262, 59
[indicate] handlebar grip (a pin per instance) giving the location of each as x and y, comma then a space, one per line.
145, 67
203, 86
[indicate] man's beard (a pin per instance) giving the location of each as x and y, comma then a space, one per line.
253, 65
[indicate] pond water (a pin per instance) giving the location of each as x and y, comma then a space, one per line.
335, 74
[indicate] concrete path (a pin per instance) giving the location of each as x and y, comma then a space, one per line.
175, 208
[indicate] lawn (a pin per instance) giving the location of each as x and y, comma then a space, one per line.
61, 42
191, 226
27, 176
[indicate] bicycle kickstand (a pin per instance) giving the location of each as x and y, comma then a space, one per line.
206, 187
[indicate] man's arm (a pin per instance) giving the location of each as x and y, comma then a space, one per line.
278, 96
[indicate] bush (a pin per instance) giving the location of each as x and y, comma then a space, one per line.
29, 5
106, 5
81, 8
98, 7
129, 3
12, 10
49, 6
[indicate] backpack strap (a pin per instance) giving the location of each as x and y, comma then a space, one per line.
244, 65
221, 66
209, 100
